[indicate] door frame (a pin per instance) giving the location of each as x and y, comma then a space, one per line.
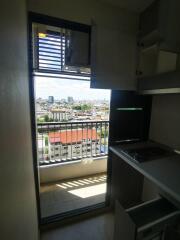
94, 209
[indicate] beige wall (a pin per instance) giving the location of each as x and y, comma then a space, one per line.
18, 215
84, 11
87, 167
165, 120
165, 129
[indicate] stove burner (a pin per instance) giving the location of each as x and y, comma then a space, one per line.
147, 153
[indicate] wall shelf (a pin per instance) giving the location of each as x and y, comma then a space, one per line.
160, 83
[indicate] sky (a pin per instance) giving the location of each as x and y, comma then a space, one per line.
62, 88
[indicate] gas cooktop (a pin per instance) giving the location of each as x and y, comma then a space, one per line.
147, 153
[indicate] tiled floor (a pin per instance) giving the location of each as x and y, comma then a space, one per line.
95, 228
72, 194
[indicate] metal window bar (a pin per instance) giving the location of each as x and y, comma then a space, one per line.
106, 133
48, 143
96, 141
60, 146
53, 146
100, 138
82, 142
66, 145
71, 142
86, 140
76, 140
91, 138
104, 147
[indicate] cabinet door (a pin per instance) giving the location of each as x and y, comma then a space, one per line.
113, 59
169, 18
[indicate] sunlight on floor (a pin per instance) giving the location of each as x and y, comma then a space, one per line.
82, 182
86, 192
70, 194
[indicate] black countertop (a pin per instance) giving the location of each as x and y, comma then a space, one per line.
164, 172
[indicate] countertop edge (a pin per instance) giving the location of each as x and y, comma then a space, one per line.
137, 166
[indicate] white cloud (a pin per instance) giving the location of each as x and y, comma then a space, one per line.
62, 88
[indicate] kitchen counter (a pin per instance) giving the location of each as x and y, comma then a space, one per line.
164, 172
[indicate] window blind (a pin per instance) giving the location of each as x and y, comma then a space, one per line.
54, 50
51, 51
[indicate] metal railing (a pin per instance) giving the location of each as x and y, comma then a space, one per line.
59, 142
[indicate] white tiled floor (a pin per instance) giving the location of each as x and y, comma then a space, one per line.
72, 194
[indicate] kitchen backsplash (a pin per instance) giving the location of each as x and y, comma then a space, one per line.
165, 120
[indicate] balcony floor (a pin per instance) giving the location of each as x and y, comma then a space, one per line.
71, 194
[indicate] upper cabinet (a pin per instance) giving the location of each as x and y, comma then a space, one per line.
121, 59
113, 58
160, 23
159, 47
155, 60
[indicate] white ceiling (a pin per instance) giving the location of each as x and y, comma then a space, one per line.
132, 5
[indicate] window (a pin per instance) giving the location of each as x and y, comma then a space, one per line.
65, 154
61, 50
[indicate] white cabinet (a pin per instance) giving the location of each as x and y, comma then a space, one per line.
113, 59
153, 60
160, 23
158, 71
116, 63
158, 67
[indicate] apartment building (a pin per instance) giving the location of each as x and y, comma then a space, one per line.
74, 144
60, 115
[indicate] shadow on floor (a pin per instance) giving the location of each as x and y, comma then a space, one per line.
100, 227
71, 194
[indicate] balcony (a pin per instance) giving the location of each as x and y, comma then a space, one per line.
72, 161
66, 195
72, 141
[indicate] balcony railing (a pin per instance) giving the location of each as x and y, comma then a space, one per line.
59, 142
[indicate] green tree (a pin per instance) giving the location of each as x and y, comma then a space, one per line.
83, 107
46, 140
48, 119
78, 107
40, 120
86, 107
104, 133
46, 150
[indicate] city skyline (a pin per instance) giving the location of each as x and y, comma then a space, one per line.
63, 88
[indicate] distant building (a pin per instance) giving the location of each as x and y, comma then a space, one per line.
74, 144
50, 99
60, 115
70, 99
39, 111
63, 100
42, 154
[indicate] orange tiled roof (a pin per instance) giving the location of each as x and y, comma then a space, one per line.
73, 136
